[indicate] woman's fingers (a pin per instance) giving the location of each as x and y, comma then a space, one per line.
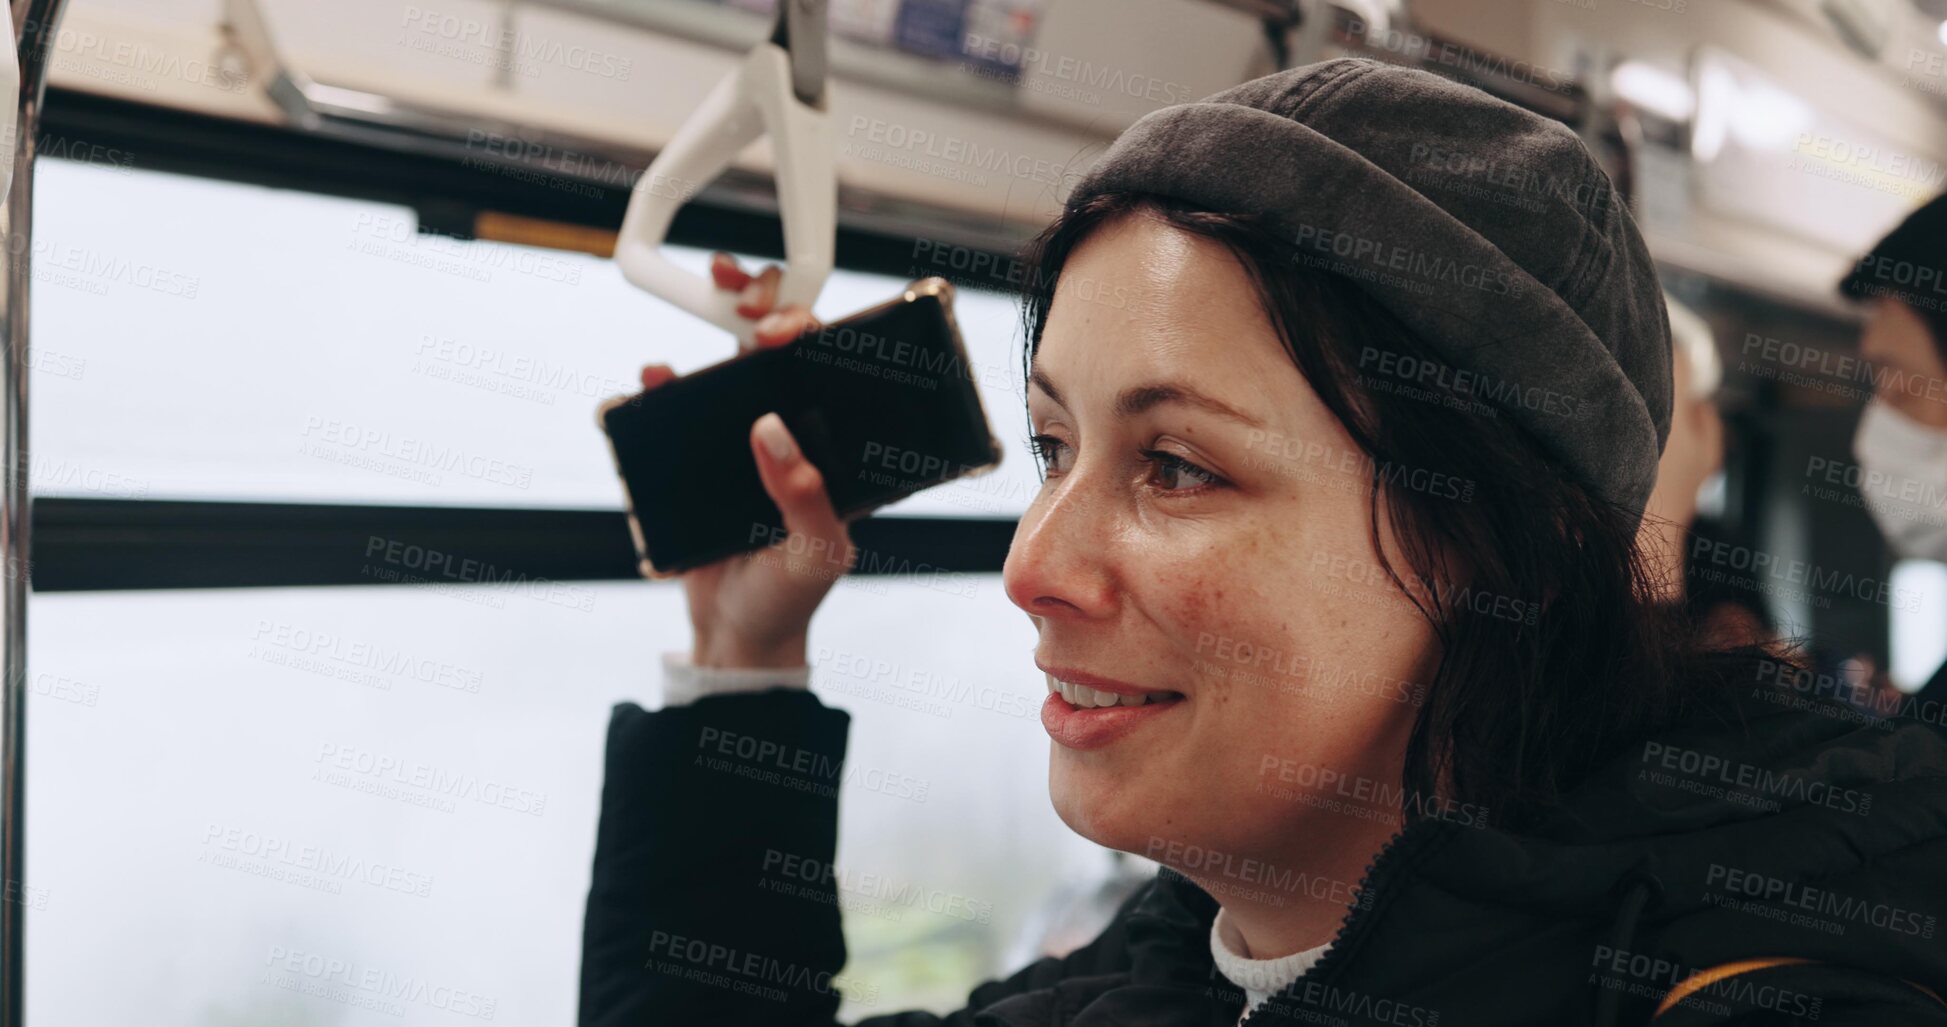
725, 272
656, 374
760, 295
796, 486
781, 326
756, 295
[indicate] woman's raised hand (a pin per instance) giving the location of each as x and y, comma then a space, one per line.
754, 609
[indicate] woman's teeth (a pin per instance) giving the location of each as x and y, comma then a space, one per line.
1090, 698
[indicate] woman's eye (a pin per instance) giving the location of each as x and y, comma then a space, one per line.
1171, 470
1046, 449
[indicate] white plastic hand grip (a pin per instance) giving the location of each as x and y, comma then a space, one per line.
754, 99
9, 107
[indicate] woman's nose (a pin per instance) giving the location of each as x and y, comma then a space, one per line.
1060, 561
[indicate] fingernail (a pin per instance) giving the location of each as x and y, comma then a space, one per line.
775, 437
770, 324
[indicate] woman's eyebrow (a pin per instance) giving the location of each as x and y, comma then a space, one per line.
1138, 398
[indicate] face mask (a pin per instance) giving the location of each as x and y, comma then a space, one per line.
1904, 482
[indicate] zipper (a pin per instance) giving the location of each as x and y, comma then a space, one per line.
1358, 920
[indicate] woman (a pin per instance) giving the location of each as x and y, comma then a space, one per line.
1342, 621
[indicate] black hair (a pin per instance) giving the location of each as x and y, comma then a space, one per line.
1899, 265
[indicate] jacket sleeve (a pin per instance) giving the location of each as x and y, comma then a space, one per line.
692, 916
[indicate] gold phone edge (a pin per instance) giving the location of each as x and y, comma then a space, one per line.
644, 565
939, 287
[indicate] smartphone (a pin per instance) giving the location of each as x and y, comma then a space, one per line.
883, 403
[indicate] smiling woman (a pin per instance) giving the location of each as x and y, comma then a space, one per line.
1335, 580
1256, 558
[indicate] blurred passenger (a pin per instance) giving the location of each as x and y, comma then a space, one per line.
1901, 444
1693, 454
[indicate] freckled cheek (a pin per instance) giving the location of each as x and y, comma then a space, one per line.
1226, 606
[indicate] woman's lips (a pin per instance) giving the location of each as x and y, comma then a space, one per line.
1092, 727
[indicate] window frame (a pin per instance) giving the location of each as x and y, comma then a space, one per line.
87, 544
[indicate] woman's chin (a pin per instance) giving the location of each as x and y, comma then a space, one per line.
1101, 809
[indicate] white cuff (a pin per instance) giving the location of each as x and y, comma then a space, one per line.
685, 682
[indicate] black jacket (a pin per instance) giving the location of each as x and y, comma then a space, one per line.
1778, 828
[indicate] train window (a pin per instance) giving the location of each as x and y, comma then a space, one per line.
1917, 646
416, 794
208, 340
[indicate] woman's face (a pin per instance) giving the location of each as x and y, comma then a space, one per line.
1201, 544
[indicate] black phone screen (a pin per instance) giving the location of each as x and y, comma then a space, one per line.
883, 403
